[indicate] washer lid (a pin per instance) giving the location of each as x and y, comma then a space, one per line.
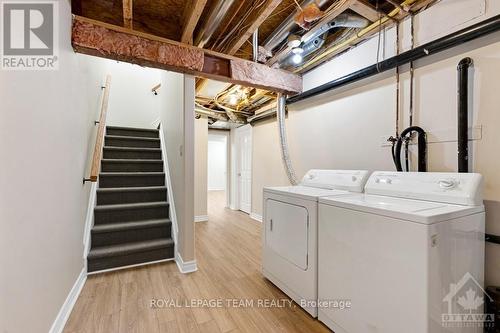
349, 180
304, 192
454, 188
425, 212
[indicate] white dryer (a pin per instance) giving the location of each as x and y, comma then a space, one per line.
290, 231
402, 253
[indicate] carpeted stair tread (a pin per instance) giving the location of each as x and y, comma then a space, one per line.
131, 160
132, 174
132, 129
127, 248
139, 138
138, 149
139, 205
112, 227
131, 189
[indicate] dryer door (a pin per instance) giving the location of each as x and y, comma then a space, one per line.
287, 231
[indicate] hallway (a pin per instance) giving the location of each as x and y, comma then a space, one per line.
228, 252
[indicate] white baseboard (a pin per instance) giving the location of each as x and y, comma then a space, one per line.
89, 221
201, 218
256, 217
69, 303
185, 266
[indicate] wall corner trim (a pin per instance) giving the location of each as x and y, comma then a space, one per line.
69, 303
256, 217
185, 266
201, 218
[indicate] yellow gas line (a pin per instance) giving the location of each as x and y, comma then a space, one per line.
357, 36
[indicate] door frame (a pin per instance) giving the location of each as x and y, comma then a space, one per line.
235, 165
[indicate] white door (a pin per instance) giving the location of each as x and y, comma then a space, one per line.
244, 169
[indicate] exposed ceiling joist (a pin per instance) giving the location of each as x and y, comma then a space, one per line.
268, 8
366, 10
113, 42
127, 13
194, 10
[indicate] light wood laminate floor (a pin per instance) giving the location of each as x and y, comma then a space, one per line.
228, 253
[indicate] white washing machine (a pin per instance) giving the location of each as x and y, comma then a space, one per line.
290, 231
402, 253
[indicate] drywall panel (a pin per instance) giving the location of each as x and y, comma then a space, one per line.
217, 162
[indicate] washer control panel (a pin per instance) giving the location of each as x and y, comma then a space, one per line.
454, 188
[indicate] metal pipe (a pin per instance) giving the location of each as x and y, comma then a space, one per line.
463, 114
255, 45
285, 156
210, 114
285, 28
218, 13
457, 38
342, 21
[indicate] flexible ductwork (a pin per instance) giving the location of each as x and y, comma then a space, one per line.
281, 105
342, 21
286, 27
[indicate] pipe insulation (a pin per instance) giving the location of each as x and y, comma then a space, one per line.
285, 156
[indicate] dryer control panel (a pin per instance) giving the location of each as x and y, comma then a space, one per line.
454, 188
349, 180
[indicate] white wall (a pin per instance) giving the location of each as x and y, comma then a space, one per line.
346, 128
217, 162
131, 101
177, 117
200, 168
46, 137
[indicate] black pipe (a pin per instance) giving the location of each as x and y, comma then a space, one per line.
422, 148
463, 114
492, 238
457, 38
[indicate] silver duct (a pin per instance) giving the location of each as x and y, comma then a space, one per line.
281, 105
285, 28
342, 21
255, 45
213, 22
308, 48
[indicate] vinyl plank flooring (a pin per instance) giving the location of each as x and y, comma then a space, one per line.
228, 253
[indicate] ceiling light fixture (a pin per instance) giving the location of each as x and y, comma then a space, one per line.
297, 58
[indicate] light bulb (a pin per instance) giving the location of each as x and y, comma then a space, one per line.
233, 99
297, 58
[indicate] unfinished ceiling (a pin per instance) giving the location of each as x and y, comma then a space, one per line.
277, 33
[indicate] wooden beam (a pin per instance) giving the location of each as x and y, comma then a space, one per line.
366, 10
268, 8
113, 42
195, 9
127, 14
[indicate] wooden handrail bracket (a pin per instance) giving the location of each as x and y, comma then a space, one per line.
96, 159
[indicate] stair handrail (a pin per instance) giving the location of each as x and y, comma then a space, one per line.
96, 160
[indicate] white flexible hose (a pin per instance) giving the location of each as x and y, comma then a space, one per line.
285, 156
